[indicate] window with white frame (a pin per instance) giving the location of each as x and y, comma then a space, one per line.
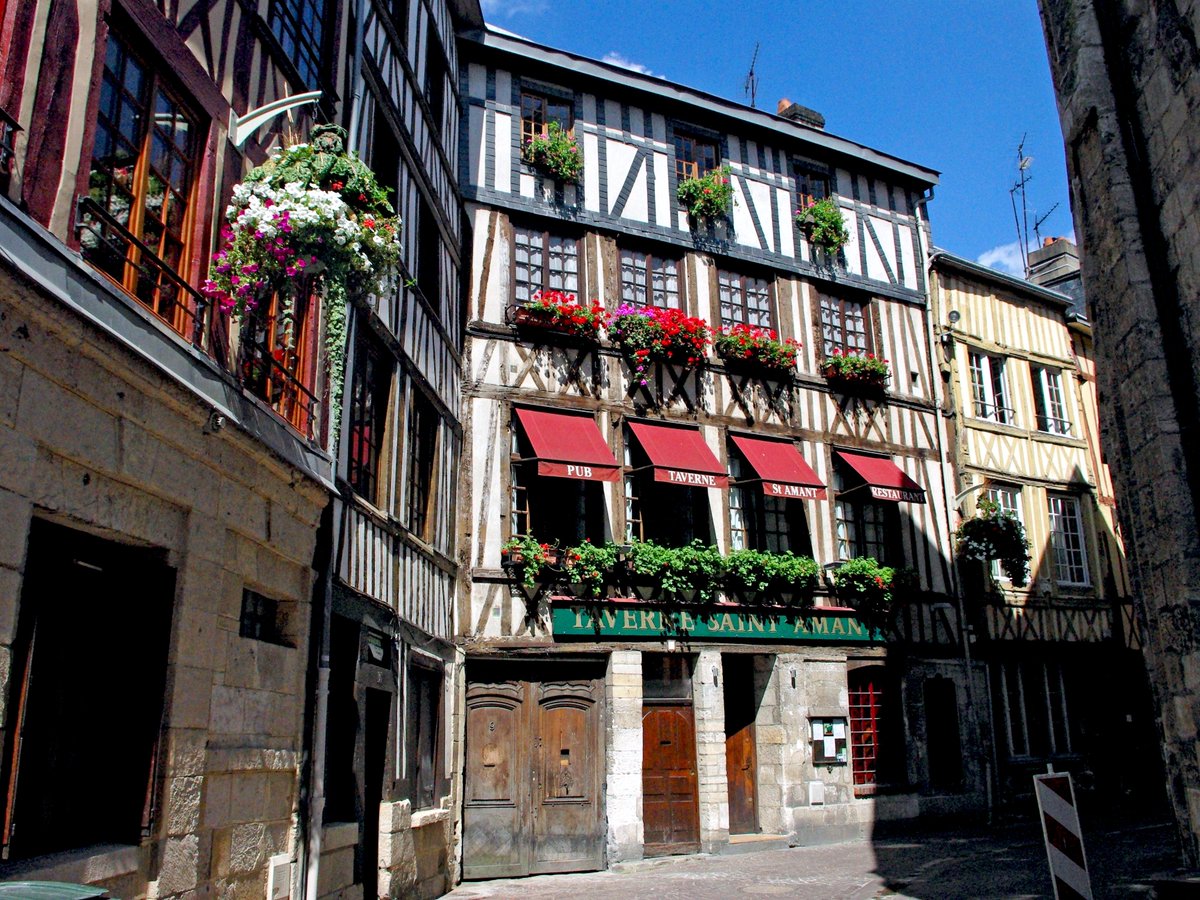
759, 521
1066, 539
1008, 499
543, 261
1048, 400
1033, 710
989, 390
649, 279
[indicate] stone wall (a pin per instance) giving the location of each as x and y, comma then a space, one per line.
93, 437
1125, 74
623, 772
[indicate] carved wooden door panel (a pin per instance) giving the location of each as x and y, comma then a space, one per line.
532, 787
670, 802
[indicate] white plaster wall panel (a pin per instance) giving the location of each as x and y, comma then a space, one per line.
663, 201
591, 171
908, 257
637, 206
844, 187
761, 194
787, 228
476, 81
502, 123
887, 239
526, 185
875, 267
612, 117
620, 159
850, 250
637, 121
863, 188
475, 155
589, 109
750, 156
735, 148
503, 87
743, 225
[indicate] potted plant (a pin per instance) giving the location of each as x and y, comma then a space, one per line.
995, 533
709, 196
589, 566
650, 334
526, 556
312, 216
758, 347
866, 586
850, 372
823, 224
648, 569
559, 312
701, 567
753, 576
555, 152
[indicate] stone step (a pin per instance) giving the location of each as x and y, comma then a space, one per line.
753, 843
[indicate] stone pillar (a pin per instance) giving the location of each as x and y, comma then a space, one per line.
793, 764
712, 784
623, 772
770, 739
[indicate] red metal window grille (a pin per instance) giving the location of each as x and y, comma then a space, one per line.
866, 704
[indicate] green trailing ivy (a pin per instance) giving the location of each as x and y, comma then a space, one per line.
824, 224
995, 533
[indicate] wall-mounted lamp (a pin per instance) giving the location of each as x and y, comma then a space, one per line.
716, 677
793, 679
953, 317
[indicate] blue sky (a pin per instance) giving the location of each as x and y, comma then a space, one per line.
949, 85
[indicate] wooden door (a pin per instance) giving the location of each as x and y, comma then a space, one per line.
670, 801
532, 788
741, 757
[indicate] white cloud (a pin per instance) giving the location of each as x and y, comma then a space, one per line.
1005, 257
616, 59
506, 9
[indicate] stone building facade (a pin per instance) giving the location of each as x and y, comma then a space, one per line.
1126, 77
602, 731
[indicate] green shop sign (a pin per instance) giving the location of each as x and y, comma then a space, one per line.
593, 620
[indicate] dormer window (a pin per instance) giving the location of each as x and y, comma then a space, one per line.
694, 156
811, 185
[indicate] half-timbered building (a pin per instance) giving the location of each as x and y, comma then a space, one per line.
605, 730
1066, 679
226, 631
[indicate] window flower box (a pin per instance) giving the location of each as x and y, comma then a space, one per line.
863, 373
528, 560
823, 225
710, 196
756, 577
749, 347
866, 587
650, 334
558, 313
995, 533
554, 152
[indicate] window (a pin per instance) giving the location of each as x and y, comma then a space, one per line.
435, 80
845, 326
539, 110
369, 392
865, 527
1048, 400
565, 511
137, 218
423, 725
423, 422
1033, 708
694, 156
667, 677
429, 256
264, 619
1008, 499
83, 666
543, 262
669, 514
399, 10
299, 25
279, 359
811, 186
1066, 538
745, 300
648, 279
758, 521
385, 154
989, 391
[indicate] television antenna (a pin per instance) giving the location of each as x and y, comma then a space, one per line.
750, 88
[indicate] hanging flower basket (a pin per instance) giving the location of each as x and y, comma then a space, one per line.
756, 348
649, 334
555, 152
555, 311
995, 533
311, 216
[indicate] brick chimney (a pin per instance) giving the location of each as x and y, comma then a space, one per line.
802, 114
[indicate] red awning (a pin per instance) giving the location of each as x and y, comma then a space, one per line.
680, 455
883, 477
568, 445
783, 471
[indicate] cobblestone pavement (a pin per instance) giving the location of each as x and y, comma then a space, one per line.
1006, 861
